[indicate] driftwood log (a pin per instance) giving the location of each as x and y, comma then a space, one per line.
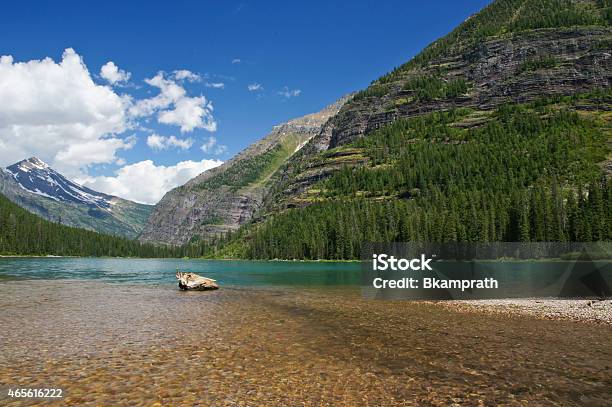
192, 281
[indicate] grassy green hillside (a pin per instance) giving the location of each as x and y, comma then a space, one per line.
253, 171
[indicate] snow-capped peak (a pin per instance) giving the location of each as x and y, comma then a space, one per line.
32, 163
36, 176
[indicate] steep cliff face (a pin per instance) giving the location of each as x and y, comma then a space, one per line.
513, 51
516, 69
225, 197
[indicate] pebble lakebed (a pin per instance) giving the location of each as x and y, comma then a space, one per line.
116, 344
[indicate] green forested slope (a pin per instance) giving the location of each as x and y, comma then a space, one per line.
498, 131
529, 172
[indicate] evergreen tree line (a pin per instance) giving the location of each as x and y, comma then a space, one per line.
23, 233
337, 229
431, 87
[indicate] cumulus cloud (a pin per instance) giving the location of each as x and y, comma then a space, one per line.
56, 111
286, 93
211, 146
157, 142
189, 113
146, 182
236, 61
174, 107
253, 87
113, 74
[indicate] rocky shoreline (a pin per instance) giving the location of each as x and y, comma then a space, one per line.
583, 310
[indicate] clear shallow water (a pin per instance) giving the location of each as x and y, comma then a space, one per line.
277, 334
161, 271
147, 344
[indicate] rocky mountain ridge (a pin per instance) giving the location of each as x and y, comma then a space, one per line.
37, 177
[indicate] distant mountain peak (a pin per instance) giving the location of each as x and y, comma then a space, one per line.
38, 188
34, 175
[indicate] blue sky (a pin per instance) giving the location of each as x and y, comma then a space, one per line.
322, 49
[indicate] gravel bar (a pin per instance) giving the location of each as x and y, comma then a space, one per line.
584, 310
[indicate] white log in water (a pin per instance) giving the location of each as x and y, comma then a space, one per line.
192, 281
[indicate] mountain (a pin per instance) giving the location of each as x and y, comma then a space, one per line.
512, 51
499, 131
37, 177
35, 186
223, 198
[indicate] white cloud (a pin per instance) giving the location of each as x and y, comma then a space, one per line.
190, 113
157, 142
215, 85
184, 74
174, 107
254, 87
286, 93
113, 74
236, 61
146, 182
211, 146
57, 112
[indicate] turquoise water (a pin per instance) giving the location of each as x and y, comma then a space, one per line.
161, 271
516, 279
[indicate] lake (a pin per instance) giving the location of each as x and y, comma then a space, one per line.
161, 271
119, 332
